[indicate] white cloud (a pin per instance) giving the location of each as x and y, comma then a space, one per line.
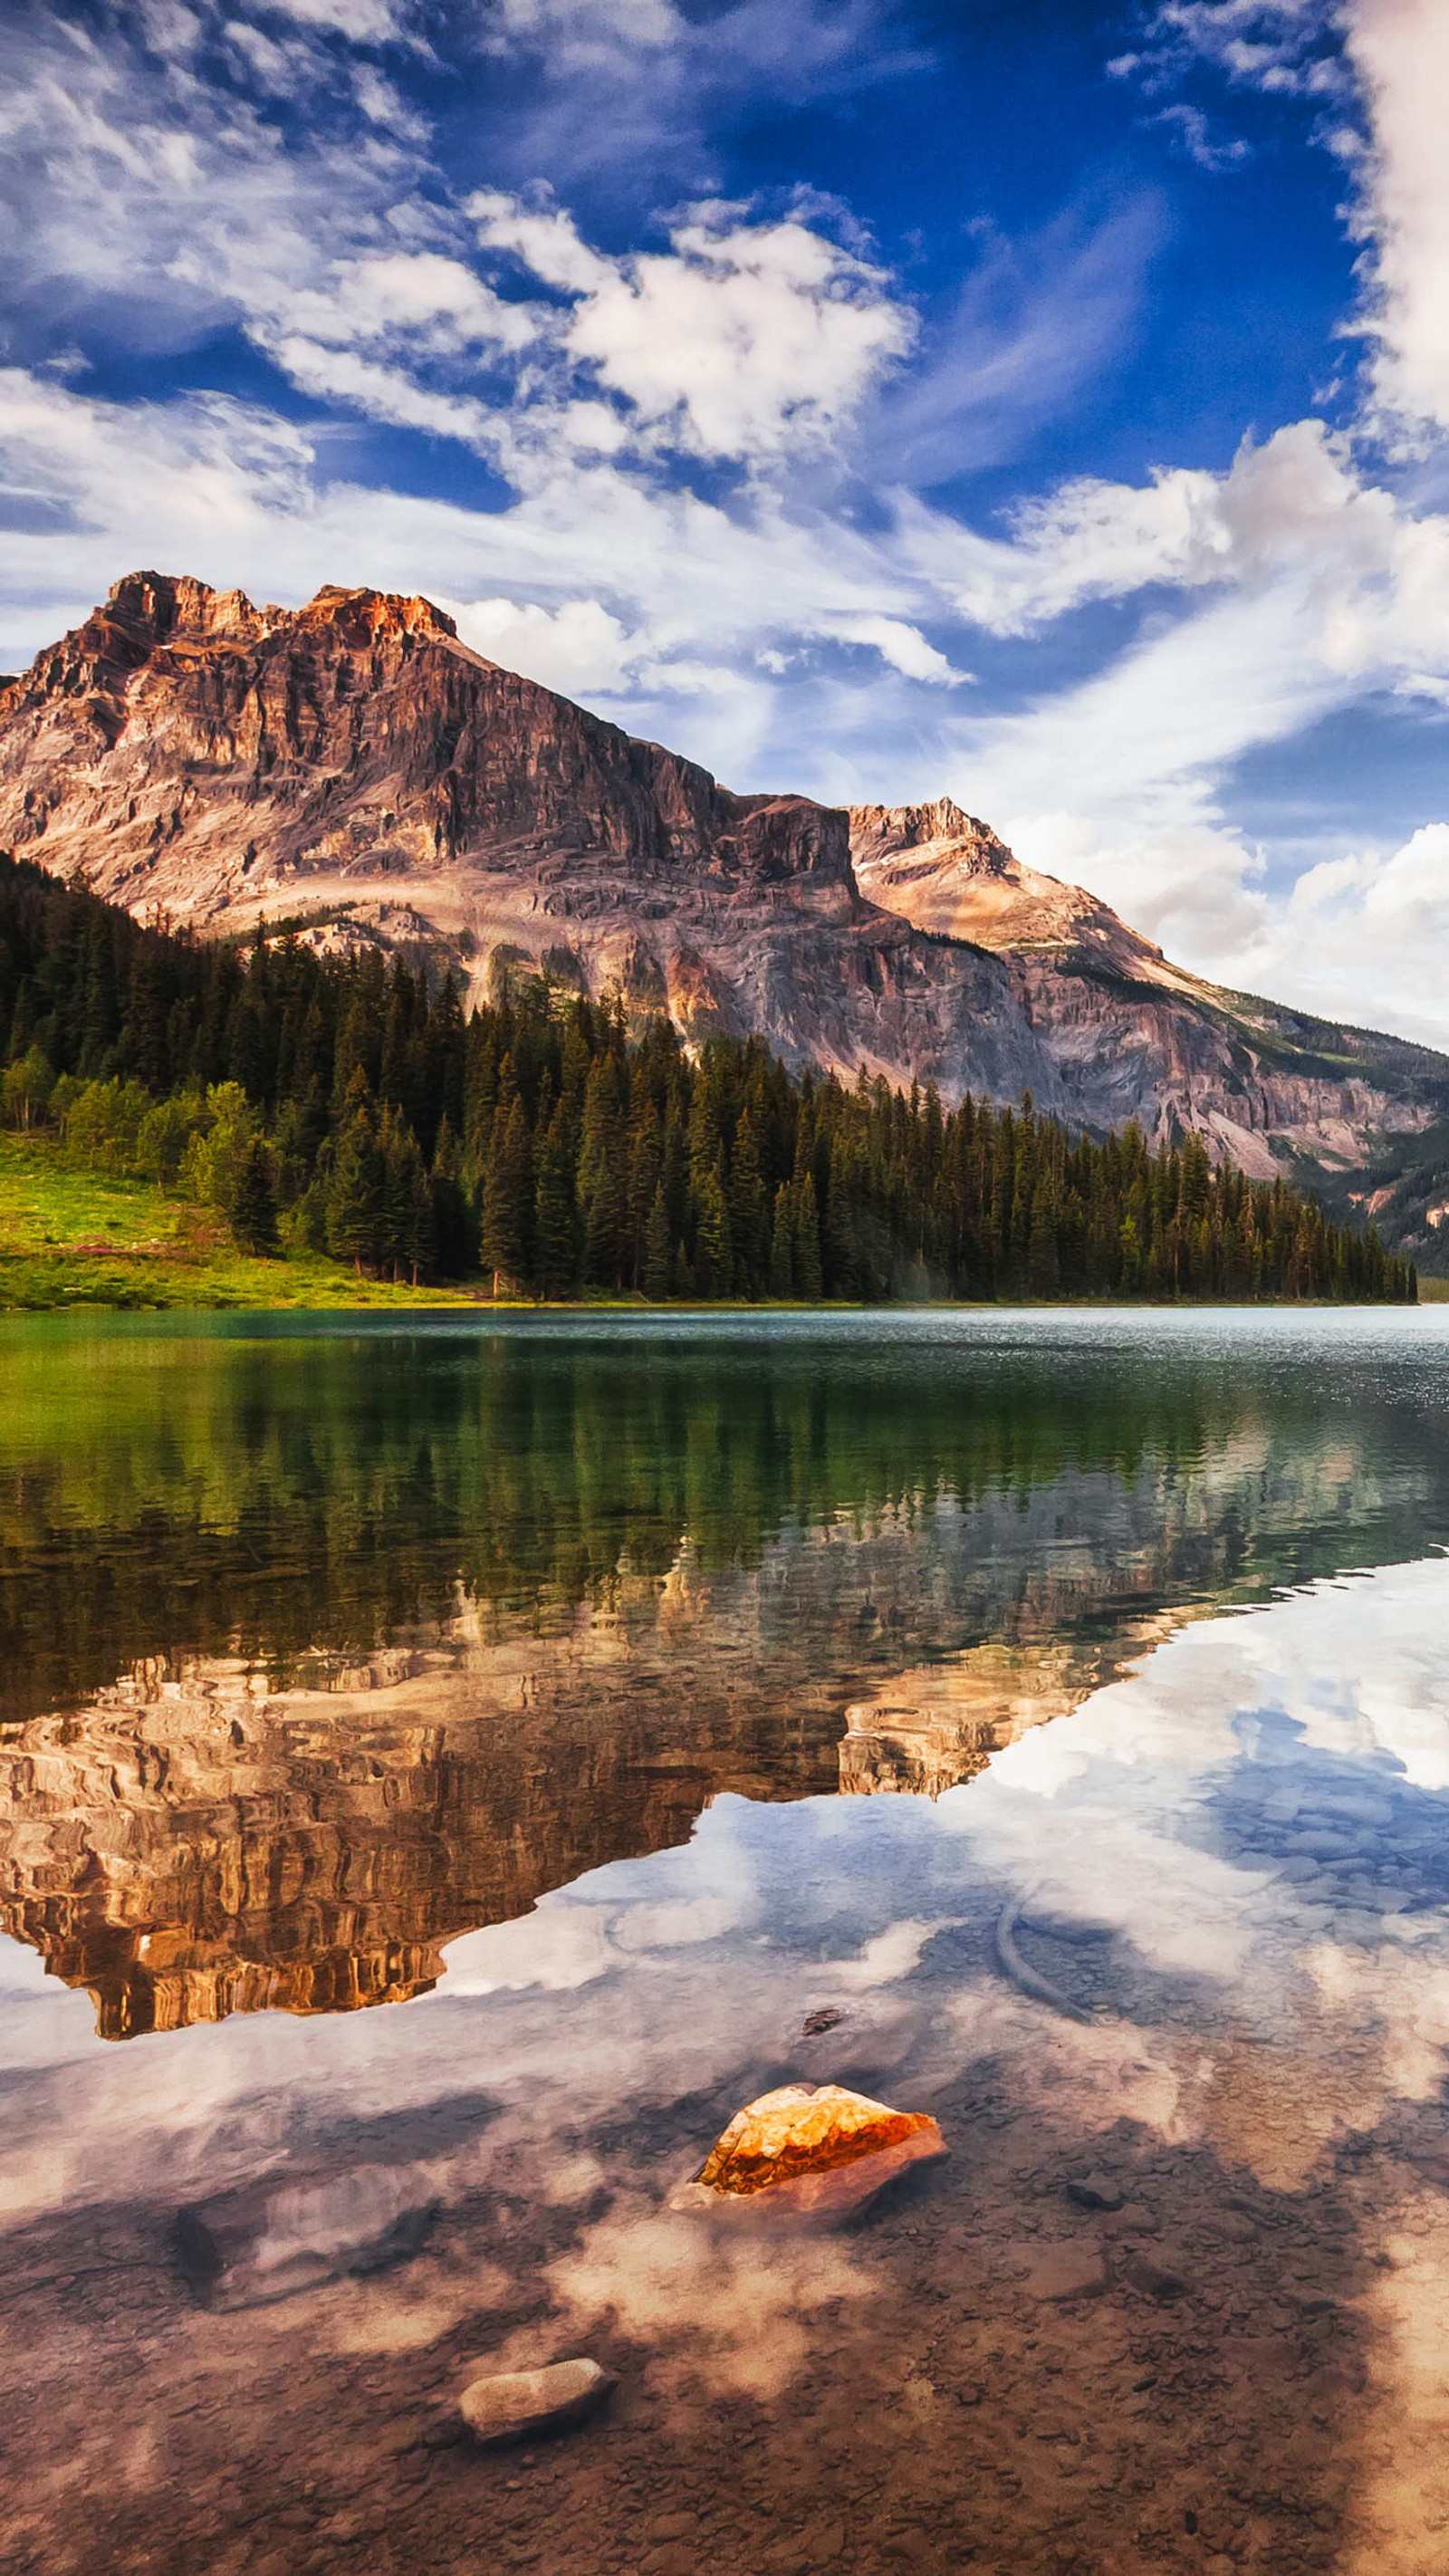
575, 29
1296, 586
1293, 509
1400, 52
745, 340
434, 304
363, 22
136, 187
904, 647
1287, 46
1366, 932
577, 647
1381, 69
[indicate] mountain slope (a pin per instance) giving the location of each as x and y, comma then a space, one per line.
948, 874
353, 766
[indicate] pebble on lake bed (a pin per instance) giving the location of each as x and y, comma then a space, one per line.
811, 2151
515, 2405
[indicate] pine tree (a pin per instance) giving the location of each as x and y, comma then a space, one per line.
606, 1219
556, 1223
809, 1276
252, 1208
355, 1196
782, 1245
658, 1266
454, 1228
407, 1228
713, 1267
749, 1217
508, 1201
1043, 1273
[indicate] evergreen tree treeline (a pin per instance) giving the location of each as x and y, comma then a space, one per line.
348, 1105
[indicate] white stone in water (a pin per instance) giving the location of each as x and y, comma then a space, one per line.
514, 2405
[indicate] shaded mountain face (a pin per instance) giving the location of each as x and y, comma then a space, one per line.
352, 767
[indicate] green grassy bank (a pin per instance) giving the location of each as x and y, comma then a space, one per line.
75, 1237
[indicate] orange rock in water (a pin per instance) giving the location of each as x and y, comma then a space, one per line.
814, 2151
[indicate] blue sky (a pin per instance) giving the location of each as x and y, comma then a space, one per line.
1042, 404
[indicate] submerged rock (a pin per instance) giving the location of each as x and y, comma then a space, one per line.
1095, 2190
247, 2247
811, 2151
1154, 2280
1062, 2272
515, 2405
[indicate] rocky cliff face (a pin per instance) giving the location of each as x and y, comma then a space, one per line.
351, 766
947, 873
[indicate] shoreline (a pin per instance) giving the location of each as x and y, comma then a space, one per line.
109, 1290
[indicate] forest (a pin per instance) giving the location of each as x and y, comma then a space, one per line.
346, 1104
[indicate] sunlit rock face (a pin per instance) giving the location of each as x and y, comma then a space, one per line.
355, 765
947, 872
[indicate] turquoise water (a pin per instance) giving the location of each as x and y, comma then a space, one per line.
446, 1768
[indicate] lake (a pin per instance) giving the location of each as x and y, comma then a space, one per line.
447, 1769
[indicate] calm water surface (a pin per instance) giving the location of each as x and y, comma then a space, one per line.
442, 1771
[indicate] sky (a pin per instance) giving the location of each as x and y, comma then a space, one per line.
1040, 404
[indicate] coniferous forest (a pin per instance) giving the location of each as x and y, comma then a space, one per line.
347, 1105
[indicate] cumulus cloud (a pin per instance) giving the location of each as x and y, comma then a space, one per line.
1372, 924
577, 647
1295, 508
741, 341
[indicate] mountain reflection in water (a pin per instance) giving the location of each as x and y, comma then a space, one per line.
512, 1678
395, 1635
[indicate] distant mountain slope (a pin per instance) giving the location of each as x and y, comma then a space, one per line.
353, 766
947, 873
1402, 1189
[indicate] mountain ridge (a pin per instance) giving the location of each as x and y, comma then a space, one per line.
357, 768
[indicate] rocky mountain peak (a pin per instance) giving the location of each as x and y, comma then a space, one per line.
880, 832
152, 608
377, 613
354, 771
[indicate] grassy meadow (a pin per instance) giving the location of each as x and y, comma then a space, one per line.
72, 1236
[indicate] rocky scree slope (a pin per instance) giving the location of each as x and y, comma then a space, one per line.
353, 767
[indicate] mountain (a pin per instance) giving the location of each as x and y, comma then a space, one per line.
354, 768
948, 874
